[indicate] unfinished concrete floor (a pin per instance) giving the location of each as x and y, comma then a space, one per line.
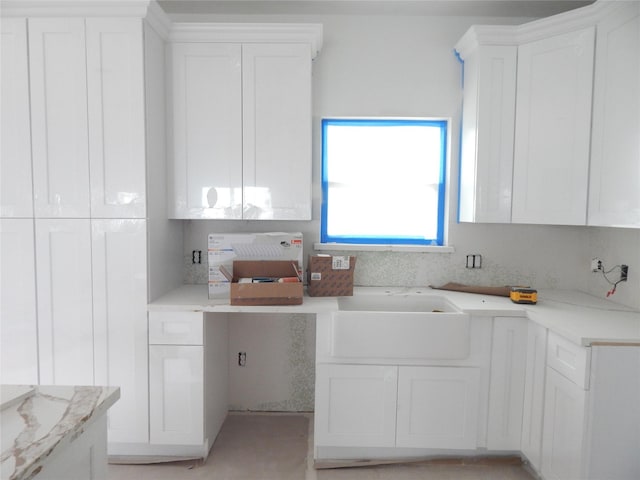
278, 447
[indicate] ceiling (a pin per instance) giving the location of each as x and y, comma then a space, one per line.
490, 8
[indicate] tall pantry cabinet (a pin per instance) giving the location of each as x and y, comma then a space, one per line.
75, 215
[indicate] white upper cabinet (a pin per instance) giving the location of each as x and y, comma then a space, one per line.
614, 187
86, 81
207, 130
58, 81
553, 126
241, 128
16, 196
571, 158
277, 131
488, 114
115, 81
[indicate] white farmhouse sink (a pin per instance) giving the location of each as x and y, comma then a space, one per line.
399, 327
396, 303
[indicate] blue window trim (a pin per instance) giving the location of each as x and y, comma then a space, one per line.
396, 240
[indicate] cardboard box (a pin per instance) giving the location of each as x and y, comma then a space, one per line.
223, 249
330, 276
289, 293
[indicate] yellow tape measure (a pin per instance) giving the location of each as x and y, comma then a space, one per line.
523, 295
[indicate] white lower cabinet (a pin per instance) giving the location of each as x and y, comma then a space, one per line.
506, 388
564, 427
188, 381
533, 406
591, 417
438, 407
356, 405
177, 394
396, 406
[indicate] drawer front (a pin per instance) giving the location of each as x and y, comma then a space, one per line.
176, 328
568, 359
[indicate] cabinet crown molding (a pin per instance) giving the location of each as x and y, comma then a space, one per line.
514, 35
310, 33
74, 8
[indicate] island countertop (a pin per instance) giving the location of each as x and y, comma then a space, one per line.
40, 421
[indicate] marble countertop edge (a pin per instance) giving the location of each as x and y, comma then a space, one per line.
77, 416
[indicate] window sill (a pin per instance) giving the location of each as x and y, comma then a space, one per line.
383, 248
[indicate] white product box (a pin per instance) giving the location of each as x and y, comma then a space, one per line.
223, 249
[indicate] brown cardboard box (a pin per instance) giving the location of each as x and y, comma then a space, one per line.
289, 293
330, 276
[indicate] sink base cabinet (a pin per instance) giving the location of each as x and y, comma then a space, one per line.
396, 406
438, 407
356, 405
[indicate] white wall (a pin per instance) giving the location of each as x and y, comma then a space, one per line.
405, 66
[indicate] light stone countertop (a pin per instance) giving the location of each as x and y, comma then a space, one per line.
579, 317
43, 421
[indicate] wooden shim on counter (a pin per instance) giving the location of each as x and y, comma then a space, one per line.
481, 460
459, 287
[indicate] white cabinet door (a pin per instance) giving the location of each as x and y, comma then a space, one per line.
614, 182
564, 428
176, 391
58, 85
18, 321
533, 406
115, 80
65, 323
16, 192
207, 131
553, 125
277, 131
506, 388
120, 323
355, 405
486, 159
438, 407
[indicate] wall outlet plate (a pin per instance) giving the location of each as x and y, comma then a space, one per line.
596, 264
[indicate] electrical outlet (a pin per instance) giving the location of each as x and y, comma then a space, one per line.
242, 359
596, 264
624, 272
